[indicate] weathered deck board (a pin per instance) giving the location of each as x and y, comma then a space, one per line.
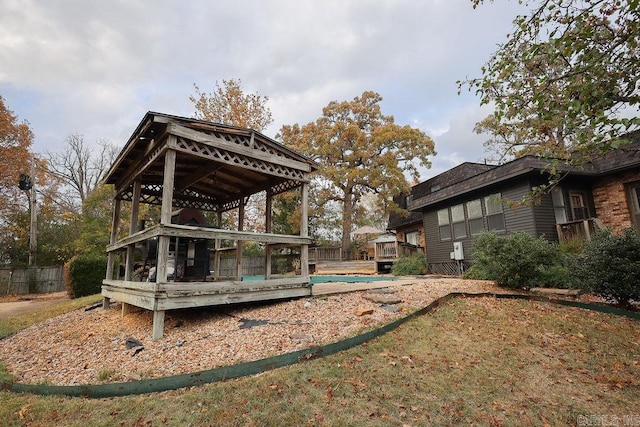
173, 295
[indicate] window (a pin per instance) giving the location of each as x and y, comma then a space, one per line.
443, 224
495, 215
634, 204
457, 218
412, 238
474, 214
578, 206
558, 205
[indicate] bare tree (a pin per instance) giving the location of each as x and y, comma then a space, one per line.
80, 167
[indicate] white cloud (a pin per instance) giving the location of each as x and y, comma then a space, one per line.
95, 68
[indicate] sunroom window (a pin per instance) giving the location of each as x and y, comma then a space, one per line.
495, 213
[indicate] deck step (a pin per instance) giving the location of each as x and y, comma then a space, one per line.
346, 267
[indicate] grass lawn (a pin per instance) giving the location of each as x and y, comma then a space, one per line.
472, 361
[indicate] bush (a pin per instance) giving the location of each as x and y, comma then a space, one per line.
410, 266
486, 250
558, 276
84, 274
610, 266
516, 261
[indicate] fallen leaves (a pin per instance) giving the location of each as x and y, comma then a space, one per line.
22, 412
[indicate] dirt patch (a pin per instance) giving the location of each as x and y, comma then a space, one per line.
14, 305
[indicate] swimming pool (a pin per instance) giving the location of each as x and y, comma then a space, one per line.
333, 278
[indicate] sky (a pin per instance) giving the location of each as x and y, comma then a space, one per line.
95, 67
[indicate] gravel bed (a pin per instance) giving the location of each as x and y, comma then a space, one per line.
93, 347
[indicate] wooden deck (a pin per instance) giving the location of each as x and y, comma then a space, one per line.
175, 295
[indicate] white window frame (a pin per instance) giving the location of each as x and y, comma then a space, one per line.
475, 217
495, 212
458, 221
412, 238
444, 224
634, 203
559, 206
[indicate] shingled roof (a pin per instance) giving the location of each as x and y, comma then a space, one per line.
216, 165
462, 180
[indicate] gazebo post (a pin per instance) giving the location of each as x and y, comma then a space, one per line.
133, 227
115, 222
304, 231
217, 243
163, 241
268, 226
239, 242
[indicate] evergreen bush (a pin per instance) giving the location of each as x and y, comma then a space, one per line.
610, 266
84, 274
410, 266
518, 260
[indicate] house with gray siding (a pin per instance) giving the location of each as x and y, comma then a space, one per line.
459, 204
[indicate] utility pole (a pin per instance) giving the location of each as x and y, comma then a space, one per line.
33, 229
27, 184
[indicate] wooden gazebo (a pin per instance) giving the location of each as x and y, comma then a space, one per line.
181, 163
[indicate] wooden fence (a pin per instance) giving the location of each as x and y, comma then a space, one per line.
32, 280
254, 265
325, 254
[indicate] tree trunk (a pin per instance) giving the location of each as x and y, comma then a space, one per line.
347, 220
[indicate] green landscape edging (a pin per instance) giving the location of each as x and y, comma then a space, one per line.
258, 366
577, 304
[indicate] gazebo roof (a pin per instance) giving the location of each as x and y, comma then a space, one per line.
216, 165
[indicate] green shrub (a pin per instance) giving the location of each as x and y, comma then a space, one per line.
281, 266
84, 274
410, 266
610, 266
486, 253
516, 261
557, 276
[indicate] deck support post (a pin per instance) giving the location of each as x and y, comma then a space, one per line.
158, 325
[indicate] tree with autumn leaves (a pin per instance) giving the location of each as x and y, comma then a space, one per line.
566, 79
229, 104
68, 221
15, 156
359, 151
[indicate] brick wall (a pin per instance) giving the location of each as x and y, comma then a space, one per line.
610, 200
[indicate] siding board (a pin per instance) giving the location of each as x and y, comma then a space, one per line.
545, 218
520, 218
